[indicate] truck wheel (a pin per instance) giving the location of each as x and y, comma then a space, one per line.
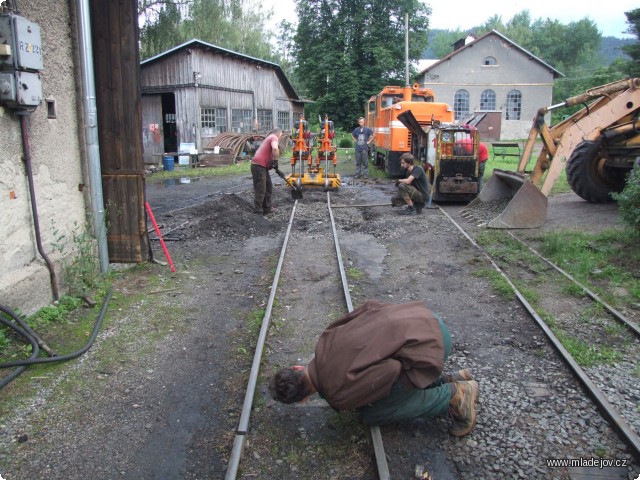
589, 177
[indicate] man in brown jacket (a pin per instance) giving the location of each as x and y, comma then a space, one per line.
386, 360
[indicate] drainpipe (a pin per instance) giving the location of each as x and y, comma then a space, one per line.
91, 132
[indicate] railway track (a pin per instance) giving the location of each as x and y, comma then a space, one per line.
595, 386
243, 426
600, 388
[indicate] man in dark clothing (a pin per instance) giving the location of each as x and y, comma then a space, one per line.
386, 360
265, 159
362, 136
413, 189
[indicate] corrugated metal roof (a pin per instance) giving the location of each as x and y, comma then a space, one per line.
240, 56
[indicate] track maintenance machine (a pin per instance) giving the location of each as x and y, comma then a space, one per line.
391, 136
449, 156
315, 174
598, 145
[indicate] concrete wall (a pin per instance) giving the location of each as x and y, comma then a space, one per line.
514, 71
58, 168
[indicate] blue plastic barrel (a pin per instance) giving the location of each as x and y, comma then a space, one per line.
167, 164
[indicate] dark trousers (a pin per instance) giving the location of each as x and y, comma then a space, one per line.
404, 403
262, 189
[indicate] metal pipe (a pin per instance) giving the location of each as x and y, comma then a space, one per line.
406, 48
34, 205
91, 132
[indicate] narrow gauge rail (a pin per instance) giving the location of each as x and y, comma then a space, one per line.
243, 425
609, 411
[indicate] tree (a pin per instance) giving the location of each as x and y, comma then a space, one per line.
633, 50
347, 50
163, 33
237, 25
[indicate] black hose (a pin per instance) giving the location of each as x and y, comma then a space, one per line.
35, 350
34, 206
61, 358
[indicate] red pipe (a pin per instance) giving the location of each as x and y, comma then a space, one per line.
155, 225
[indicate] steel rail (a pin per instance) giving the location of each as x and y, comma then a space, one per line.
619, 316
243, 425
376, 436
609, 411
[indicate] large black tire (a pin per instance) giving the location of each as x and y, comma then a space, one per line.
587, 175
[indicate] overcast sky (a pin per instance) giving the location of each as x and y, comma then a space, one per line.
609, 17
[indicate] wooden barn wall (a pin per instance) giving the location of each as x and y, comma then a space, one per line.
116, 63
223, 82
152, 130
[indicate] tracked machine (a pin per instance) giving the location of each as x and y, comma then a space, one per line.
305, 172
598, 145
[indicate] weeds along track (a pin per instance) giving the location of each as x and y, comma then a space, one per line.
312, 270
600, 344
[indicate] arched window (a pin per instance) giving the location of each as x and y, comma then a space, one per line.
488, 100
490, 61
461, 104
514, 105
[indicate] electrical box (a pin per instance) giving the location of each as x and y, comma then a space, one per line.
20, 62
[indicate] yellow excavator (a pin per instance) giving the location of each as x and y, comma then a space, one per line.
598, 146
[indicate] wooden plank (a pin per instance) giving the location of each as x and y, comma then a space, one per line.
116, 66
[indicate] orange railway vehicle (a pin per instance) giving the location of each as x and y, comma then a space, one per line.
391, 137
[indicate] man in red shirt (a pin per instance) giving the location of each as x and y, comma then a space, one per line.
265, 159
483, 155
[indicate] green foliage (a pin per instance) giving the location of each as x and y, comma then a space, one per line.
629, 201
237, 25
348, 51
345, 143
587, 355
633, 50
55, 313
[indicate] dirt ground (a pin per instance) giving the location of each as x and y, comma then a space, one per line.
159, 396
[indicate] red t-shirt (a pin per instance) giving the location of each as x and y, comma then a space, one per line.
263, 155
467, 145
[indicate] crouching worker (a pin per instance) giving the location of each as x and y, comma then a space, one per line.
386, 360
412, 190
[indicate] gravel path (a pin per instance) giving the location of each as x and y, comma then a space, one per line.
160, 394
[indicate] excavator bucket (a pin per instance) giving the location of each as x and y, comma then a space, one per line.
509, 200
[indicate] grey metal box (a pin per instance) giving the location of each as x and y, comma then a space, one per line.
25, 40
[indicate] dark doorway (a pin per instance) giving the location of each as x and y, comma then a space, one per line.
169, 122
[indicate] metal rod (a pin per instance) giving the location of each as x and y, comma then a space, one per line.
388, 204
619, 316
243, 426
618, 422
376, 437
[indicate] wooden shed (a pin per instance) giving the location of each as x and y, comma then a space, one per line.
197, 90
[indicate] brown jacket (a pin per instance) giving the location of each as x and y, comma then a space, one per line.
359, 357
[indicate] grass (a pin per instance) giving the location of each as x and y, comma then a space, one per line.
67, 326
188, 172
561, 185
607, 263
587, 355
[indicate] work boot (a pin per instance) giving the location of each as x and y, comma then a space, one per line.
408, 211
459, 376
419, 207
462, 408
